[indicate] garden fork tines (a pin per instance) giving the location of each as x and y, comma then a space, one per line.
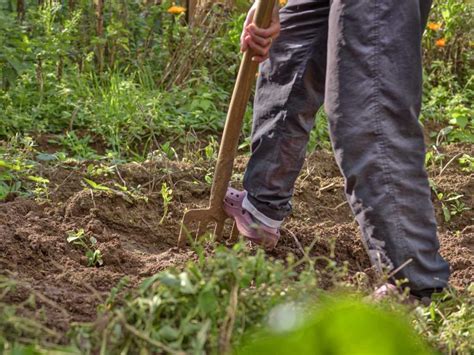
215, 214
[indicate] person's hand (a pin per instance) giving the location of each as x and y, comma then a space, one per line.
260, 40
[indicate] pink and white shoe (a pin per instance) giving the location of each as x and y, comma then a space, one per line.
389, 290
384, 291
247, 225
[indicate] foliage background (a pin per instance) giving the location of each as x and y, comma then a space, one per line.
131, 76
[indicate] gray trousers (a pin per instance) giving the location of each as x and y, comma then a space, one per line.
362, 60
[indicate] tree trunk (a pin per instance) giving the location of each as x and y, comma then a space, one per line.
39, 75
99, 13
71, 5
20, 9
191, 6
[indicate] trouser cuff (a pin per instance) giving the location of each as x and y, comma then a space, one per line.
247, 205
427, 292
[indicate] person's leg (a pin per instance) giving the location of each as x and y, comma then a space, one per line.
373, 98
290, 90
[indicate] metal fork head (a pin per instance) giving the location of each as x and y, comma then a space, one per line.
203, 218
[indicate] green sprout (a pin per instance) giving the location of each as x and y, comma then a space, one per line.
211, 149
467, 163
88, 244
167, 196
451, 203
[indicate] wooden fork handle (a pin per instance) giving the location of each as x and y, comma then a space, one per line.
235, 115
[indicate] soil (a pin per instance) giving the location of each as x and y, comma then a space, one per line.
34, 250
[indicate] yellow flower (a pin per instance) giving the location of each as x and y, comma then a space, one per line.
433, 26
441, 42
283, 2
176, 10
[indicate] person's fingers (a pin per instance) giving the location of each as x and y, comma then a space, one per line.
259, 39
264, 42
243, 43
243, 46
259, 59
257, 49
273, 31
248, 21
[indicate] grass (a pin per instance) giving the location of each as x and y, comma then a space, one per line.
233, 298
208, 306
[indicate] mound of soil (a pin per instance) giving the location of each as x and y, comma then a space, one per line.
34, 250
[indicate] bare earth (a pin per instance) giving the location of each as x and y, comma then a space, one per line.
34, 250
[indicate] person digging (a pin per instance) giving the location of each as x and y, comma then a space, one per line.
362, 60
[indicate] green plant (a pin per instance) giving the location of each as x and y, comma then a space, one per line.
128, 194
18, 332
336, 326
98, 170
169, 151
231, 297
79, 147
167, 196
41, 189
451, 203
447, 323
449, 77
467, 163
447, 38
211, 149
87, 244
9, 183
319, 137
434, 158
210, 155
129, 98
204, 307
18, 170
453, 206
96, 186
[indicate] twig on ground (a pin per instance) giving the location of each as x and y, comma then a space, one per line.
297, 242
73, 118
63, 182
308, 173
228, 325
337, 207
146, 338
120, 176
327, 187
449, 163
394, 272
147, 224
92, 197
